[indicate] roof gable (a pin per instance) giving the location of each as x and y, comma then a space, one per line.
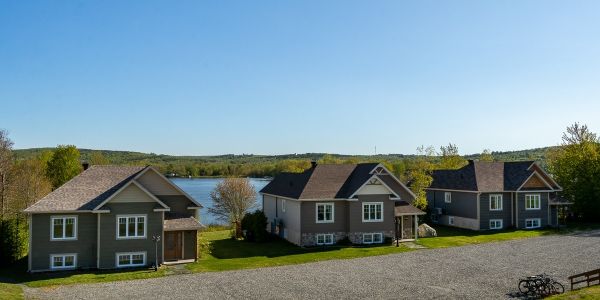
131, 192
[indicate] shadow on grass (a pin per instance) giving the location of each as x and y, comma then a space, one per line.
447, 231
229, 248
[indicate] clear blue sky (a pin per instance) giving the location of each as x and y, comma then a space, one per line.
274, 77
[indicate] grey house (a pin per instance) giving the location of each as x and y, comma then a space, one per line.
364, 203
107, 216
494, 195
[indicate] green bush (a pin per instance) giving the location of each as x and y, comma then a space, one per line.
254, 226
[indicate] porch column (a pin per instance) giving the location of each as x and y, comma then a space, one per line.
416, 227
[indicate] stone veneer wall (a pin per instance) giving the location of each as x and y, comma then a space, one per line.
310, 239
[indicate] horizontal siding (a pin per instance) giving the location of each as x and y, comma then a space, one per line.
486, 214
542, 213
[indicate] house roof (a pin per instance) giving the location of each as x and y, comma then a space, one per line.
324, 181
485, 176
87, 190
174, 222
405, 208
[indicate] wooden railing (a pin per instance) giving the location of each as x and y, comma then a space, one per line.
589, 278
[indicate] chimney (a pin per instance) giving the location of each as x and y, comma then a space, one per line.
85, 165
471, 161
313, 164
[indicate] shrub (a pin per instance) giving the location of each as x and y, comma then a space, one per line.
254, 226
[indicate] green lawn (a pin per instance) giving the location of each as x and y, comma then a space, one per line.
452, 237
10, 291
581, 294
223, 253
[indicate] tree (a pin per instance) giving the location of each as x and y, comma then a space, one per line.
486, 155
97, 158
5, 166
255, 226
232, 199
419, 175
576, 167
63, 165
450, 159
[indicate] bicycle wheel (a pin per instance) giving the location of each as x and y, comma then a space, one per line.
558, 287
524, 286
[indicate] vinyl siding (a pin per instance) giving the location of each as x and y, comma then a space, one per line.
291, 217
463, 204
42, 246
486, 214
523, 214
355, 222
340, 217
156, 184
109, 245
189, 244
179, 204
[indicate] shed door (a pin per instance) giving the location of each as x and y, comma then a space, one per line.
173, 245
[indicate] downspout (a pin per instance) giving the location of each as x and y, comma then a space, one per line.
478, 211
162, 240
98, 243
29, 259
517, 210
512, 210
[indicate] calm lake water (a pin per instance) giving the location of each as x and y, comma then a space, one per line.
200, 188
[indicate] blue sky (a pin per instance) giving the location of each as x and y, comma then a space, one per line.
274, 77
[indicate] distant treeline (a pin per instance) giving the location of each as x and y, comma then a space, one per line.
260, 165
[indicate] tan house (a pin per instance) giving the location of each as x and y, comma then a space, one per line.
108, 217
325, 204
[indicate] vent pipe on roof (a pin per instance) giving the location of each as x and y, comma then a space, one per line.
313, 164
85, 165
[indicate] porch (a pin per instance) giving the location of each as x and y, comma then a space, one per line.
406, 222
180, 240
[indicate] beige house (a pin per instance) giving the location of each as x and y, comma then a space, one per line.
325, 204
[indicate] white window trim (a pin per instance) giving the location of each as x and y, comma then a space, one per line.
362, 212
539, 221
539, 201
492, 221
324, 235
447, 197
501, 199
127, 237
143, 253
332, 212
64, 218
373, 238
63, 255
450, 220
283, 205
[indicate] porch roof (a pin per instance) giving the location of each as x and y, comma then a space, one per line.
176, 223
402, 208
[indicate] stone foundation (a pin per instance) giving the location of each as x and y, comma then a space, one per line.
356, 237
310, 239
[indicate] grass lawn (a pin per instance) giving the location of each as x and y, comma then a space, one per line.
222, 253
452, 237
10, 291
581, 294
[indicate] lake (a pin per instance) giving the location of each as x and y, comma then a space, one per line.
200, 188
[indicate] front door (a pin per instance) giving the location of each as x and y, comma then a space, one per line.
173, 240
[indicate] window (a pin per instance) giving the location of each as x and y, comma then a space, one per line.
496, 202
532, 223
372, 211
282, 205
325, 239
448, 197
532, 201
63, 228
131, 227
131, 259
496, 224
324, 212
63, 261
451, 220
372, 238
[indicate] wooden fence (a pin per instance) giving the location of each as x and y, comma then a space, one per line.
589, 278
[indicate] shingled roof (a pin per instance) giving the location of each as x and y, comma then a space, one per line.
87, 190
485, 176
323, 181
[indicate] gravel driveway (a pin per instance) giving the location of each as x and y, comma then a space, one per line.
486, 271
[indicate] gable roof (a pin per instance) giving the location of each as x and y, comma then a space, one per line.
86, 190
94, 187
324, 181
486, 176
